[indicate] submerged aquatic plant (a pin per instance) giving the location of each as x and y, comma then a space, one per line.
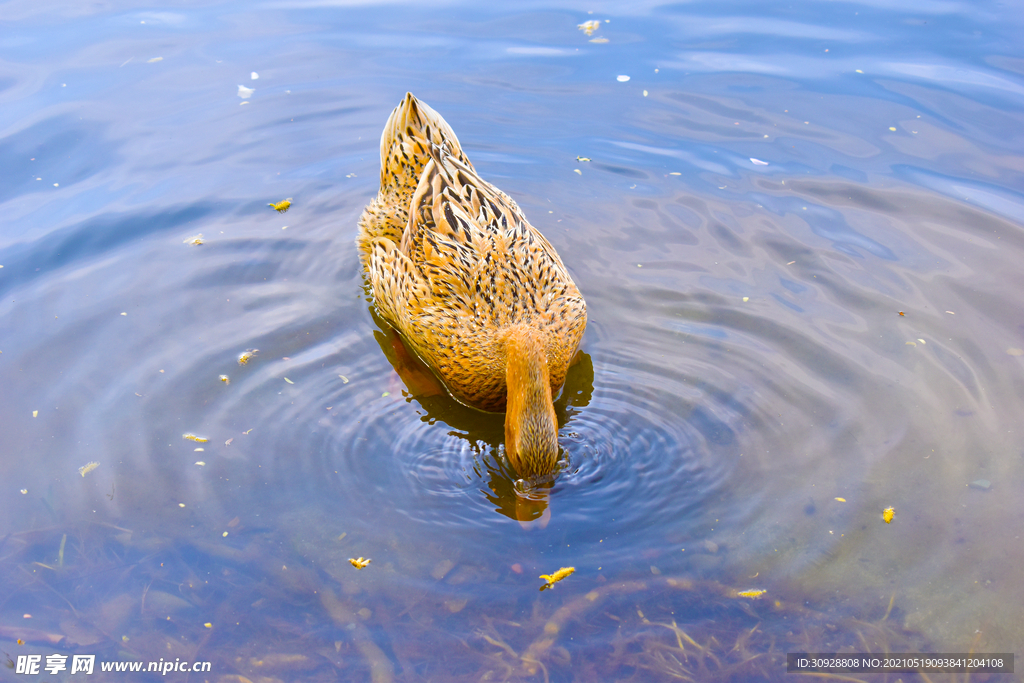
296, 606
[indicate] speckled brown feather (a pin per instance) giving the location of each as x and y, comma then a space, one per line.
455, 266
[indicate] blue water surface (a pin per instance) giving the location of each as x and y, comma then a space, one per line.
799, 230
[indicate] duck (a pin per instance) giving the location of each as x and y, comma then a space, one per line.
473, 288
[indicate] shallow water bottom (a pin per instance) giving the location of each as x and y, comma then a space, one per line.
268, 606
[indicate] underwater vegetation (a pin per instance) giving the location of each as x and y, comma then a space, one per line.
263, 608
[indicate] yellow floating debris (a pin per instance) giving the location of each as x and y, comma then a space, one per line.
887, 514
841, 500
192, 437
195, 240
246, 356
225, 379
752, 593
288, 380
552, 579
86, 469
579, 158
589, 27
281, 206
359, 562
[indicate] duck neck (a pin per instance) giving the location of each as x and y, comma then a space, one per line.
531, 429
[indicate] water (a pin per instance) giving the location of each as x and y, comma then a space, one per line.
798, 230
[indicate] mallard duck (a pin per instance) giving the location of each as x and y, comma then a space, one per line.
472, 287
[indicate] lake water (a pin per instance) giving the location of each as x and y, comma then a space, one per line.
799, 230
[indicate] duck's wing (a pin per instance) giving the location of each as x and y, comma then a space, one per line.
399, 289
474, 247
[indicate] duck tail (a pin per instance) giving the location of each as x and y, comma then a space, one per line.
407, 144
531, 427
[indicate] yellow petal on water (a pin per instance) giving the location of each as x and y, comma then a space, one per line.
674, 173
1015, 352
951, 312
198, 450
385, 394
892, 128
181, 505
579, 158
578, 171
228, 442
154, 60
282, 205
359, 562
922, 341
859, 71
746, 299
208, 625
192, 437
752, 593
288, 380
344, 379
887, 514
645, 93
35, 413
200, 463
225, 379
24, 492
589, 27
841, 500
246, 356
86, 469
225, 534
552, 579
123, 313
195, 239
910, 343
